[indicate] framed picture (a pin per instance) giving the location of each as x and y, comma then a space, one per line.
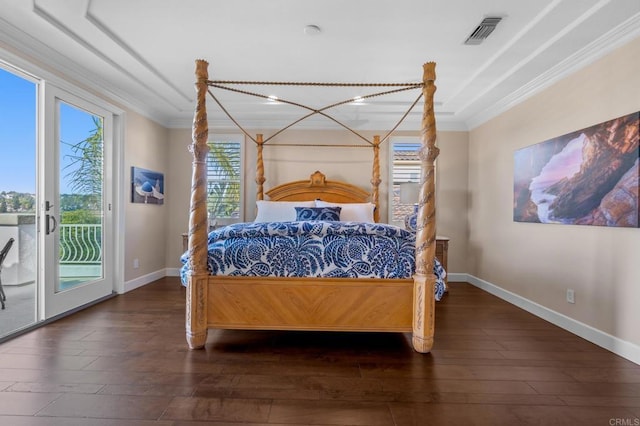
147, 186
587, 177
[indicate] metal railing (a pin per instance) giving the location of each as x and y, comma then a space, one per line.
80, 243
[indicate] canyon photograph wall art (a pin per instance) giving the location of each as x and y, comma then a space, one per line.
587, 177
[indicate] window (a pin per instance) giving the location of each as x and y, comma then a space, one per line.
405, 168
224, 179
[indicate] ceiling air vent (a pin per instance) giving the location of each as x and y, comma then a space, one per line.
483, 30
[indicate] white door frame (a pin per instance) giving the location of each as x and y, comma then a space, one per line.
54, 303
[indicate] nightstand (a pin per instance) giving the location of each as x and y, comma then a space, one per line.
185, 237
442, 248
185, 241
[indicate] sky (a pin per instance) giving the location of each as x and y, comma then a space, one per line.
17, 133
18, 100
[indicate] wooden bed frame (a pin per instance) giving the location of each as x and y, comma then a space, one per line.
333, 304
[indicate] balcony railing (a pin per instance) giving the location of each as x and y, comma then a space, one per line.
80, 244
80, 253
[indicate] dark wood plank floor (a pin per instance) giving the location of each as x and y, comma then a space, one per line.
125, 362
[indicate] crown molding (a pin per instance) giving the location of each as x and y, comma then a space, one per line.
595, 50
109, 33
73, 35
35, 58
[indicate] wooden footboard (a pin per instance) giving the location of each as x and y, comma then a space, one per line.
339, 304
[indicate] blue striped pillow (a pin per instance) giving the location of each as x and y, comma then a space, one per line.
318, 213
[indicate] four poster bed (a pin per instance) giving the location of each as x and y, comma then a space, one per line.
370, 276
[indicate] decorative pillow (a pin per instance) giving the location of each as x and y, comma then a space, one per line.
411, 222
352, 212
279, 211
318, 213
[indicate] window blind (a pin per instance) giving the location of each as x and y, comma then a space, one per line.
406, 167
223, 179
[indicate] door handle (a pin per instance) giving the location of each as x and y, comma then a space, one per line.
48, 228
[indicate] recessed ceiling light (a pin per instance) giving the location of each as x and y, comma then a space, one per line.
312, 30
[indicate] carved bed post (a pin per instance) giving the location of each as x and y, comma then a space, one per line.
375, 178
260, 169
424, 278
196, 313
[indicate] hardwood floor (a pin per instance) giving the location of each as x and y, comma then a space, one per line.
126, 362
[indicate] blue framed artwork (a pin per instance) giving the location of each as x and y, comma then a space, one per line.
147, 186
587, 177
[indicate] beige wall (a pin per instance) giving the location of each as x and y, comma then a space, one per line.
146, 146
452, 175
354, 165
179, 186
539, 262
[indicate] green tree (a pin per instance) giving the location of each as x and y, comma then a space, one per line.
79, 216
85, 179
86, 162
26, 203
15, 202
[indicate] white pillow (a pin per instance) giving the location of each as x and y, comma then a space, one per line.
279, 211
352, 212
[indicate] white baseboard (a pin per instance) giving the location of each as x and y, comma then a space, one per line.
144, 280
458, 277
614, 344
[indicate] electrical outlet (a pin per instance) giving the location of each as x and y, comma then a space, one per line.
136, 263
571, 296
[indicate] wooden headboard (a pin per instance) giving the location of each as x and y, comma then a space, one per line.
318, 187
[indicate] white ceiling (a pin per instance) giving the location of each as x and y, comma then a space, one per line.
142, 52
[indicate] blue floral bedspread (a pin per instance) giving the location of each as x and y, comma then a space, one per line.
314, 249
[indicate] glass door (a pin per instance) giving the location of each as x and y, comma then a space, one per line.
18, 234
76, 207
